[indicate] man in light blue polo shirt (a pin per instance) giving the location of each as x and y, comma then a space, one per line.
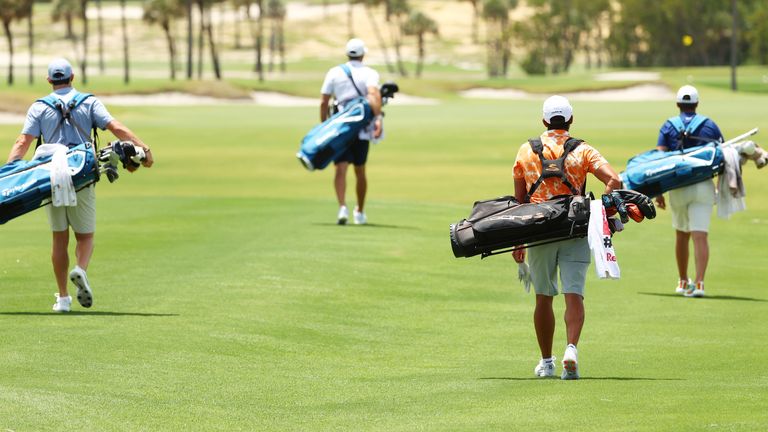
69, 127
691, 206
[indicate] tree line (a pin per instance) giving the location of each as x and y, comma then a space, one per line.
623, 33
546, 36
263, 21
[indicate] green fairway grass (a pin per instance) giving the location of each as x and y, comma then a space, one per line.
226, 298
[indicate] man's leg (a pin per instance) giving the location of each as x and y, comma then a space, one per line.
340, 182
362, 186
700, 253
60, 260
574, 317
84, 249
681, 253
544, 323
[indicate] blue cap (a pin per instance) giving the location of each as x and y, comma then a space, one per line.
59, 69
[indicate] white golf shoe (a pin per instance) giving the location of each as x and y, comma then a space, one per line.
360, 218
63, 304
343, 216
84, 294
545, 368
695, 290
570, 363
682, 286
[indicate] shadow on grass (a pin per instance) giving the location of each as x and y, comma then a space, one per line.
368, 225
706, 297
583, 379
94, 313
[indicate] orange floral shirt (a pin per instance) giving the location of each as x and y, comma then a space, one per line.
584, 159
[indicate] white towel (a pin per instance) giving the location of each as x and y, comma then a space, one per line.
63, 192
599, 237
730, 186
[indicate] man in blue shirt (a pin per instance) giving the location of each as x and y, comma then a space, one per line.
54, 127
691, 206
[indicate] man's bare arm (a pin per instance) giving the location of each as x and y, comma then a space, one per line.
20, 148
124, 134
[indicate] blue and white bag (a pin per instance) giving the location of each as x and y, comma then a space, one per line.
331, 138
26, 185
656, 172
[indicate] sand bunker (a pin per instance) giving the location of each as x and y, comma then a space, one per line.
12, 119
273, 99
642, 92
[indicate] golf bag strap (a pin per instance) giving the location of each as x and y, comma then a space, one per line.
65, 109
348, 71
552, 167
686, 132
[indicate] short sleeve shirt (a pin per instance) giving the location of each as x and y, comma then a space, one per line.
582, 160
44, 120
669, 136
338, 84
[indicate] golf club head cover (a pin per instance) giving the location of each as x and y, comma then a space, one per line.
643, 202
613, 204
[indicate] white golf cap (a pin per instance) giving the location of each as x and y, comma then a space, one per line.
687, 95
557, 106
356, 48
59, 69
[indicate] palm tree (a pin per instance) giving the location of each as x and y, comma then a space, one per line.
190, 38
162, 12
100, 27
11, 10
66, 10
496, 13
30, 39
369, 5
258, 35
84, 59
397, 10
211, 43
126, 55
276, 12
419, 25
475, 19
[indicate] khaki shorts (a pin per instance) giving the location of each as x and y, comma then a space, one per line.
571, 256
691, 206
82, 217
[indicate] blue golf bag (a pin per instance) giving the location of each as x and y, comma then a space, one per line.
656, 172
26, 185
328, 140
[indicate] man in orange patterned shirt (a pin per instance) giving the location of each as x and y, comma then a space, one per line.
571, 256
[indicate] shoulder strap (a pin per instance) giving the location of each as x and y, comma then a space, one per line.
552, 167
695, 123
58, 105
677, 123
348, 71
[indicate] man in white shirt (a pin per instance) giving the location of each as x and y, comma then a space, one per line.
347, 82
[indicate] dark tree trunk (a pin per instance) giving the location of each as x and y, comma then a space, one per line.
200, 40
382, 43
260, 41
31, 42
100, 25
420, 64
190, 39
84, 61
238, 45
126, 50
212, 46
9, 37
281, 42
171, 48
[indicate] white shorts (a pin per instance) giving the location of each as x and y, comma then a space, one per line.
82, 217
572, 257
691, 206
